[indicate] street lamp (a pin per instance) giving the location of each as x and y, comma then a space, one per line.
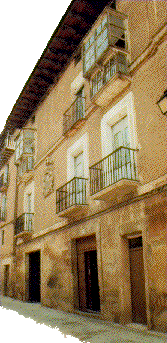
162, 103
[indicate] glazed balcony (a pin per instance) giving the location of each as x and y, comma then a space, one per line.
71, 198
2, 215
74, 117
108, 34
7, 148
108, 82
115, 175
24, 146
24, 224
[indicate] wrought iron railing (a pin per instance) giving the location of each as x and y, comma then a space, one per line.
72, 193
74, 114
120, 164
2, 215
117, 64
24, 223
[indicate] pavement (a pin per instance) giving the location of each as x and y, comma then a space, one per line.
86, 329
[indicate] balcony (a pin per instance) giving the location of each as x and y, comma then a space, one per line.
74, 117
71, 198
114, 176
7, 149
3, 183
110, 81
26, 168
24, 225
24, 146
2, 215
108, 34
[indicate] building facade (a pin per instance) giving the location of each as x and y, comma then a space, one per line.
83, 168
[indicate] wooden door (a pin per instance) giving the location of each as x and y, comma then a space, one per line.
34, 276
137, 281
88, 287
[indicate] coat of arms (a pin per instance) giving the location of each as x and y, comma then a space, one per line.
48, 181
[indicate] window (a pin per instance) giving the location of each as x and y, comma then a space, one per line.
29, 203
97, 83
114, 65
3, 207
111, 31
78, 165
101, 37
24, 144
2, 237
80, 104
6, 174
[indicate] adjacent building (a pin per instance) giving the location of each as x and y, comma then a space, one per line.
83, 168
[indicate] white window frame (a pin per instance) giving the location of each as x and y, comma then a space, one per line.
28, 190
124, 107
80, 146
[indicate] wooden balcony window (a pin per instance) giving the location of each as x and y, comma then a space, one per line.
75, 115
71, 196
24, 145
116, 170
24, 224
7, 148
108, 31
4, 179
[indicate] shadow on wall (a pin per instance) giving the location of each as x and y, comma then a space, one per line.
59, 281
158, 309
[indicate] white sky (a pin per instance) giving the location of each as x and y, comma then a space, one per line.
26, 27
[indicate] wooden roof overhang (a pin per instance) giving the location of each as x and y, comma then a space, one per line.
75, 23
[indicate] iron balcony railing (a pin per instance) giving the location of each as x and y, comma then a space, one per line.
72, 193
2, 215
117, 64
120, 164
24, 223
74, 114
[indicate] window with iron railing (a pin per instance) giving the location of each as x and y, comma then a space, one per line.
70, 194
24, 223
75, 113
116, 64
119, 165
111, 31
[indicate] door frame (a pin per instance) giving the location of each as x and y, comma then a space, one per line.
126, 302
27, 275
75, 271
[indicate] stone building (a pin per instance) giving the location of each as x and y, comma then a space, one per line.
83, 168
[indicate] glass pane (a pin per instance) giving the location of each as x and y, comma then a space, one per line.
116, 21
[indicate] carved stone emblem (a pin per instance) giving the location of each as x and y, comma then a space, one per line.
48, 181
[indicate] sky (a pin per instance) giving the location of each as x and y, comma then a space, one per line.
26, 27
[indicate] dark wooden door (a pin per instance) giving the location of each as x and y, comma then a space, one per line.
34, 276
137, 282
88, 288
91, 278
6, 280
